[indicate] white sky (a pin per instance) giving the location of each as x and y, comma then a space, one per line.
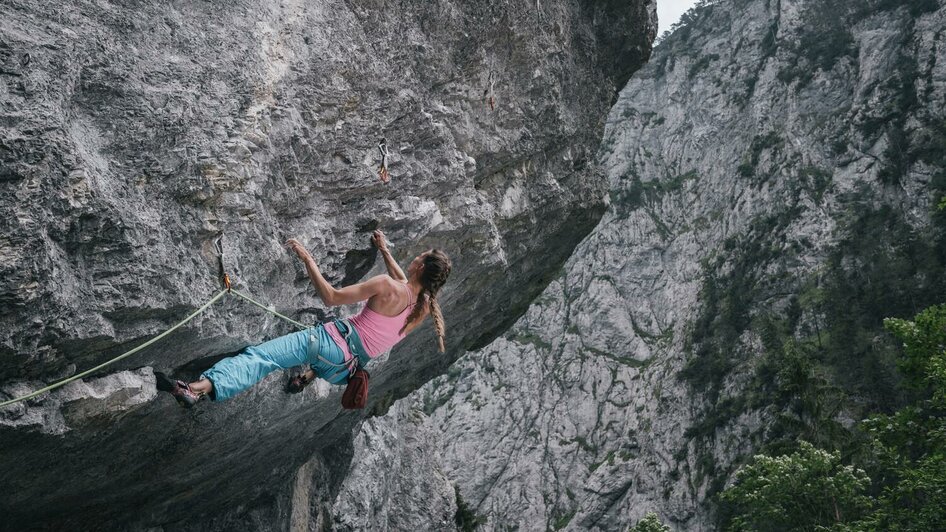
669, 11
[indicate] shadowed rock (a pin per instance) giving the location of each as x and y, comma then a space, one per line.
133, 136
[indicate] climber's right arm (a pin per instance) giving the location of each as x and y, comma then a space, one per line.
329, 294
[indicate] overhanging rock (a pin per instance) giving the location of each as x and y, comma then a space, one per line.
131, 138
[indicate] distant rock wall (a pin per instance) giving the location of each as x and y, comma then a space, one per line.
133, 136
769, 149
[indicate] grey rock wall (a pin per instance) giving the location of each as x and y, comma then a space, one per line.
133, 135
742, 149
407, 489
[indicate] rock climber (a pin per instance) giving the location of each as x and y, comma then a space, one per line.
396, 305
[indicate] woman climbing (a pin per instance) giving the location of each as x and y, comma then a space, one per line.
396, 305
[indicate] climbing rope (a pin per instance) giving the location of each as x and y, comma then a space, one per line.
227, 290
271, 311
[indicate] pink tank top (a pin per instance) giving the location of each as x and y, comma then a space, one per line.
378, 332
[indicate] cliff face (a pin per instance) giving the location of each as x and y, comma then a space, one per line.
774, 171
132, 136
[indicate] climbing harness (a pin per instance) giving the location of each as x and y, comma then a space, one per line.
226, 290
359, 357
355, 395
383, 171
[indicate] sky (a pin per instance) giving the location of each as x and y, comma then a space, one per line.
669, 11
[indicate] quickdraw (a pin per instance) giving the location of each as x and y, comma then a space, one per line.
383, 171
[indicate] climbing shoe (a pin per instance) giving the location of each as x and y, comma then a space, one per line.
297, 383
179, 389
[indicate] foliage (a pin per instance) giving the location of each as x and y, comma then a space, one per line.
825, 40
826, 37
702, 64
905, 452
816, 180
824, 352
465, 518
807, 490
881, 267
687, 20
727, 296
924, 341
898, 156
792, 378
561, 521
650, 523
908, 448
760, 143
913, 134
641, 193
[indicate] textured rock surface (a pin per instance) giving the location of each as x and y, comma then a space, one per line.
407, 488
744, 151
132, 135
82, 401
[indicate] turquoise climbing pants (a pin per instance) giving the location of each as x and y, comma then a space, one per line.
232, 375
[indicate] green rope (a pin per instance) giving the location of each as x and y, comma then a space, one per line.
153, 340
119, 357
271, 311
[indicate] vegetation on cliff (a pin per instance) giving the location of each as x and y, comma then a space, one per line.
893, 478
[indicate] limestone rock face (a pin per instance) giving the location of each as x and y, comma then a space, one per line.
754, 165
133, 137
408, 490
82, 401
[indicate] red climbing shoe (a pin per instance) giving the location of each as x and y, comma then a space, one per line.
298, 382
178, 389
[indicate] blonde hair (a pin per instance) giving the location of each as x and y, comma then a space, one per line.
436, 270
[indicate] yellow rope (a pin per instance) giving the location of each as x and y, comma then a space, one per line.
153, 340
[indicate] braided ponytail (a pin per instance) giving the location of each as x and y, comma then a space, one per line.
438, 323
437, 268
419, 305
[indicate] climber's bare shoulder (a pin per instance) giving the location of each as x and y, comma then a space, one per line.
388, 297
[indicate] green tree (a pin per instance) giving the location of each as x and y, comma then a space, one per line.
465, 518
905, 452
650, 523
924, 345
809, 489
908, 448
